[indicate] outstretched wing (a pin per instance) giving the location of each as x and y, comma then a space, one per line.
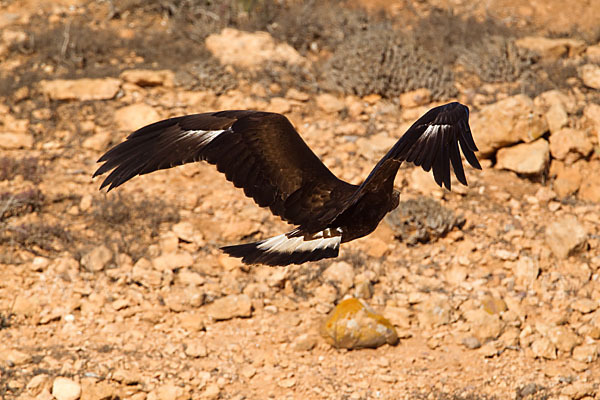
260, 152
432, 142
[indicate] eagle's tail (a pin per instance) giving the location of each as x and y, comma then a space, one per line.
293, 247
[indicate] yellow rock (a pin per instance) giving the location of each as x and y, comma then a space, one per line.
353, 325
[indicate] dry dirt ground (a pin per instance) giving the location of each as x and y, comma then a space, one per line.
493, 289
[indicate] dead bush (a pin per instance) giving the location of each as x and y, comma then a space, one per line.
384, 61
28, 168
20, 203
422, 220
37, 237
130, 225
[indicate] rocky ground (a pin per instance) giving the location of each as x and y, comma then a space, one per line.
491, 290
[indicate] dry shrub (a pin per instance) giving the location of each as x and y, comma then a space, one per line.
384, 61
487, 49
422, 220
75, 49
36, 237
308, 25
130, 225
28, 168
20, 203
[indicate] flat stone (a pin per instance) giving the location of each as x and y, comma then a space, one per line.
96, 259
295, 94
570, 140
144, 273
149, 77
280, 105
173, 261
211, 392
25, 305
569, 177
127, 376
587, 353
471, 342
592, 53
415, 98
484, 326
191, 321
353, 324
169, 392
232, 47
93, 390
248, 371
552, 48
180, 300
231, 306
398, 316
65, 389
493, 305
525, 158
305, 342
507, 122
377, 248
434, 311
195, 349
543, 348
363, 290
589, 190
557, 117
15, 357
584, 305
555, 97
37, 382
341, 274
578, 390
98, 141
81, 89
329, 103
591, 112
526, 270
135, 116
565, 235
190, 278
590, 75
12, 140
168, 242
579, 271
563, 338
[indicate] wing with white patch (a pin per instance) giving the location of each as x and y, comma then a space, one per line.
432, 142
161, 145
294, 247
260, 152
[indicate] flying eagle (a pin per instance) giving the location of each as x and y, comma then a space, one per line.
262, 153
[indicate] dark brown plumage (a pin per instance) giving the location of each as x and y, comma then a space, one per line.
262, 153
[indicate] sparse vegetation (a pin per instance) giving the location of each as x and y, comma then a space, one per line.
384, 61
13, 204
125, 222
36, 237
28, 168
422, 220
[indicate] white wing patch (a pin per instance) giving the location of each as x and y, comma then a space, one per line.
434, 129
300, 244
204, 137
